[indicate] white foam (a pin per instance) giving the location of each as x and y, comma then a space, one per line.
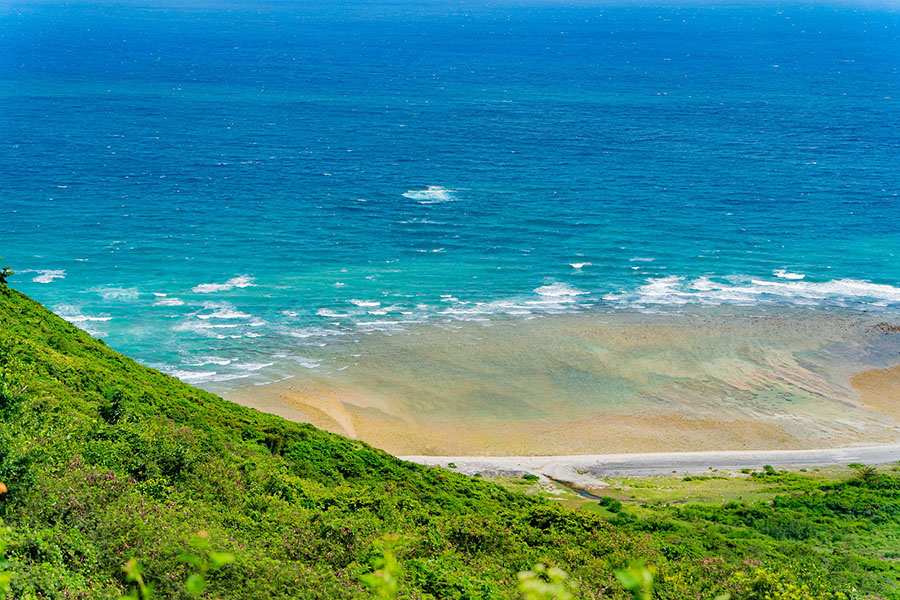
781, 273
169, 302
481, 309
433, 194
580, 265
558, 290
84, 318
206, 328
839, 288
314, 332
84, 322
553, 298
207, 360
252, 366
193, 376
203, 325
73, 315
224, 312
703, 284
230, 376
386, 327
307, 363
420, 221
240, 281
676, 291
325, 312
118, 293
46, 275
366, 303
387, 309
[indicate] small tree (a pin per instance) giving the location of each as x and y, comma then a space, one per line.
865, 475
5, 272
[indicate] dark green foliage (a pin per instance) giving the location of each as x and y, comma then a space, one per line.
768, 471
106, 460
5, 274
112, 405
611, 504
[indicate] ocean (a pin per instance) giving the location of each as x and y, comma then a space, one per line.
238, 193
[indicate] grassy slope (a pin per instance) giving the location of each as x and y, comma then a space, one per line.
106, 459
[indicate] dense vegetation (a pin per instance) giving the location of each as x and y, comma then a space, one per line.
106, 460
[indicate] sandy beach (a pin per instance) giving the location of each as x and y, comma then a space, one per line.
585, 385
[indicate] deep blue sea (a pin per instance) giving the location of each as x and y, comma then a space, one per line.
221, 189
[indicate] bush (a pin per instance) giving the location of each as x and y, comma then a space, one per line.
610, 504
107, 460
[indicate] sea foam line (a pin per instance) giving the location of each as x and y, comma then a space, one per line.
241, 281
46, 275
675, 291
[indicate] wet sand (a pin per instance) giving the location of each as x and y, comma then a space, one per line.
650, 431
578, 385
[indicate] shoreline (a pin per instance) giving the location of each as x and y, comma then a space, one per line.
879, 397
873, 420
584, 385
586, 471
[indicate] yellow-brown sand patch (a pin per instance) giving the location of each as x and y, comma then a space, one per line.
879, 390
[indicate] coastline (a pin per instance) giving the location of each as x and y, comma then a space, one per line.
587, 471
585, 384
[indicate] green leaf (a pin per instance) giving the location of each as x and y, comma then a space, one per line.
628, 579
220, 559
132, 569
190, 559
195, 584
637, 579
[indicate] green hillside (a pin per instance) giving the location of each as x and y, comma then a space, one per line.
106, 460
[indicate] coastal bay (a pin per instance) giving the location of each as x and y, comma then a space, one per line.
449, 300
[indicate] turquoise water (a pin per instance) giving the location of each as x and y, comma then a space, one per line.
233, 191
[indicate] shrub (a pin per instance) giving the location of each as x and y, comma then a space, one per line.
610, 504
5, 274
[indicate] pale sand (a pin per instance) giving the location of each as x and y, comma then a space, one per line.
587, 471
574, 385
876, 419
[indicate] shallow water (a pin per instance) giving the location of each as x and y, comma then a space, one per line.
240, 193
589, 382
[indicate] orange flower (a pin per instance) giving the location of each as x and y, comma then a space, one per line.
3, 489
